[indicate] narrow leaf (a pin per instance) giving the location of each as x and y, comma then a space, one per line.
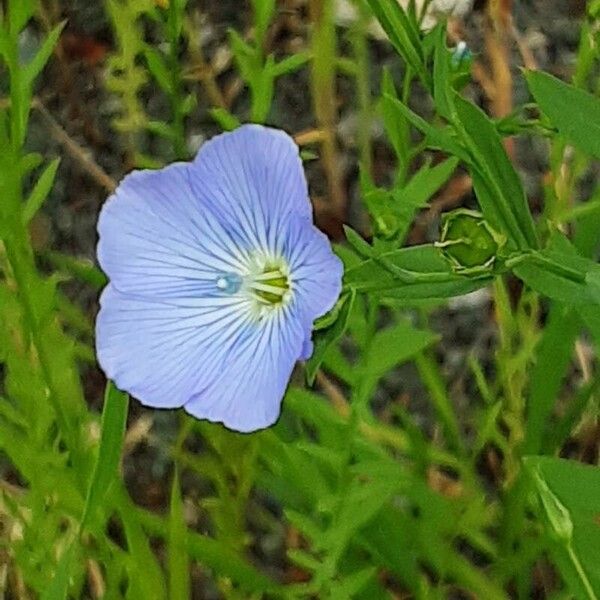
59, 586
403, 34
226, 120
179, 568
553, 356
159, 70
34, 68
497, 185
442, 90
290, 64
574, 112
434, 136
325, 338
40, 191
114, 417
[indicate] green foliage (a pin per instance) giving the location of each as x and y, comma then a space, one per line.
569, 504
393, 475
258, 71
166, 70
114, 416
179, 567
329, 333
557, 99
126, 78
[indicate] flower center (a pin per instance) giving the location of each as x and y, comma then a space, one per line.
266, 282
270, 287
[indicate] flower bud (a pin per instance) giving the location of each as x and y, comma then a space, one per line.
468, 241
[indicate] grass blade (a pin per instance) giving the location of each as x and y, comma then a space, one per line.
179, 571
114, 417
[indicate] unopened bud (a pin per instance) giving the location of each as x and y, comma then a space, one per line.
468, 241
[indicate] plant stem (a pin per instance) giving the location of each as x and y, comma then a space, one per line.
323, 92
429, 372
363, 84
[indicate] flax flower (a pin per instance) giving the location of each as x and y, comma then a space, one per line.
217, 274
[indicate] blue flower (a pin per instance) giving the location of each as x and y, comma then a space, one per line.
217, 274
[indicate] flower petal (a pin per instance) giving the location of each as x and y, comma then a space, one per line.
252, 179
163, 353
157, 240
316, 271
248, 395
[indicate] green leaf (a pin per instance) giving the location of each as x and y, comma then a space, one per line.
263, 14
403, 34
188, 104
19, 12
350, 586
82, 269
290, 64
590, 315
303, 559
175, 19
213, 554
226, 120
553, 357
34, 68
442, 90
325, 338
434, 136
59, 586
262, 86
431, 278
420, 189
362, 247
560, 275
565, 426
592, 282
247, 58
114, 417
146, 578
159, 70
362, 502
395, 345
4, 44
29, 162
497, 185
179, 568
162, 129
311, 407
574, 112
569, 494
40, 191
396, 125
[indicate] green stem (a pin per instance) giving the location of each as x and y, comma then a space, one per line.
358, 405
429, 372
323, 80
589, 589
179, 144
363, 85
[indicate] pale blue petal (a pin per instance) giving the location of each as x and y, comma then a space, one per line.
307, 349
252, 179
156, 238
161, 352
316, 270
248, 395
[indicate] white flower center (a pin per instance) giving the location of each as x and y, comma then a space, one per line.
265, 282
